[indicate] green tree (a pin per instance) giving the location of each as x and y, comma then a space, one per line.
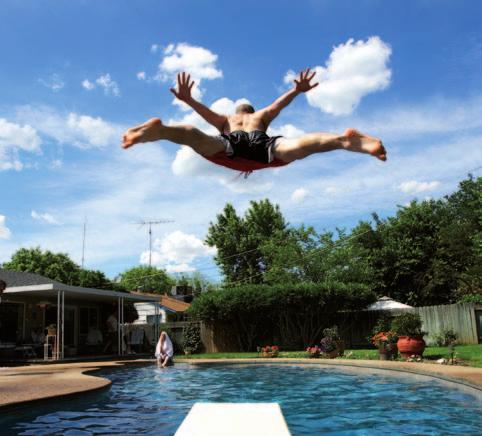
429, 252
146, 279
238, 240
307, 256
199, 282
56, 266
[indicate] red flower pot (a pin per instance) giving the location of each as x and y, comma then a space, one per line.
411, 345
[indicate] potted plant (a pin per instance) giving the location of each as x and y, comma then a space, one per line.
386, 342
384, 338
313, 352
328, 348
270, 351
408, 327
334, 335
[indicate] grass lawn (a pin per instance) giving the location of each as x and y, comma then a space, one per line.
467, 354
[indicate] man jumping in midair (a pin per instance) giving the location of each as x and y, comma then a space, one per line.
243, 143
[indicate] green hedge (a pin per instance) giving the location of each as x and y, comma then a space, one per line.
292, 315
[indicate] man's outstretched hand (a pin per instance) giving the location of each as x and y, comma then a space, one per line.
184, 86
303, 82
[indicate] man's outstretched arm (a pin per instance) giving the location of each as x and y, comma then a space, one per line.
183, 93
301, 85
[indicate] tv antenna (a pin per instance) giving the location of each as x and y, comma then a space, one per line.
151, 223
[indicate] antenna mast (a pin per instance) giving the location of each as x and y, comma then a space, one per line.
150, 223
83, 243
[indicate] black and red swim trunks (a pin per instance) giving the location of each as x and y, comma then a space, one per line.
247, 151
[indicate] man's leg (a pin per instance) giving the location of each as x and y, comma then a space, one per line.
289, 150
154, 130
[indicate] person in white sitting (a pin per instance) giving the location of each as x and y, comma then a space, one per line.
164, 350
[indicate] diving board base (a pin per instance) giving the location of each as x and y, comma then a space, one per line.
234, 419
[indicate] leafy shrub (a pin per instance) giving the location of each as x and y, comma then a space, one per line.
296, 313
327, 345
445, 337
191, 338
408, 324
332, 333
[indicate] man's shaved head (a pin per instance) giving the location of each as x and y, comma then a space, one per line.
245, 109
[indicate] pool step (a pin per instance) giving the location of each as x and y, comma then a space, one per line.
234, 419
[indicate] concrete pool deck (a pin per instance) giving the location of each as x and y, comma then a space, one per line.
24, 384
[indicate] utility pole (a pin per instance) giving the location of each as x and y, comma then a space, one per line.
83, 243
150, 223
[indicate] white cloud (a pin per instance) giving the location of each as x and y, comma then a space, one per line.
87, 84
91, 132
155, 48
176, 251
199, 62
54, 82
353, 70
414, 186
104, 81
141, 75
286, 130
56, 163
109, 85
5, 232
45, 217
299, 195
13, 139
83, 131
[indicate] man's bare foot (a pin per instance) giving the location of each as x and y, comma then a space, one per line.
149, 131
361, 143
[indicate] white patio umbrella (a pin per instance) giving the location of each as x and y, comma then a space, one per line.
387, 303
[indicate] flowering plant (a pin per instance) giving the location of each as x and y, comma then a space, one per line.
313, 352
381, 339
327, 345
270, 351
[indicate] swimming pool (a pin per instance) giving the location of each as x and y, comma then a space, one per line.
314, 399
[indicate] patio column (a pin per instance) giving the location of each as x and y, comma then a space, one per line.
57, 342
63, 324
122, 326
118, 326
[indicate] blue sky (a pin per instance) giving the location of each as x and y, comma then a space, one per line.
75, 74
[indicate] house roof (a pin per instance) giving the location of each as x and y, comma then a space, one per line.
24, 283
174, 304
19, 278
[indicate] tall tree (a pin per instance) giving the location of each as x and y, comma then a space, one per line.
239, 239
145, 279
56, 266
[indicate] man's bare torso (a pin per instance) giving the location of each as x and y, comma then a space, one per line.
246, 122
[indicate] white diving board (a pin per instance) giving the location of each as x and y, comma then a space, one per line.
234, 419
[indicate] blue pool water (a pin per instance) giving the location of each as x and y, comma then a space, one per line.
314, 399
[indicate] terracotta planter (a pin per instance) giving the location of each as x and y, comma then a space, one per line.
331, 354
269, 355
411, 345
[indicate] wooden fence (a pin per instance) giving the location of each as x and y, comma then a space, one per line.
356, 327
458, 317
